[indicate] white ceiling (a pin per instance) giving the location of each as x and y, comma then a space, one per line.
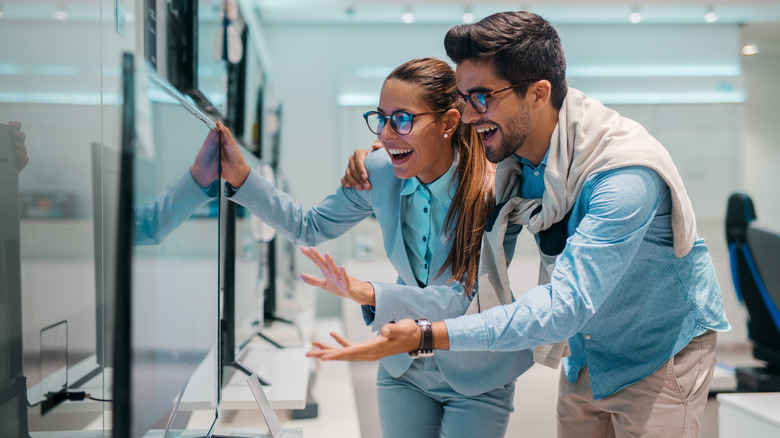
556, 11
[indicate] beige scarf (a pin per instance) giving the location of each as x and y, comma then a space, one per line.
589, 138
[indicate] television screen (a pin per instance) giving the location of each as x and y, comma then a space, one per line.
167, 274
13, 406
244, 277
105, 189
212, 65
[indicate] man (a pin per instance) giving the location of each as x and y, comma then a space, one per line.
632, 289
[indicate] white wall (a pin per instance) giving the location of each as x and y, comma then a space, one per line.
761, 140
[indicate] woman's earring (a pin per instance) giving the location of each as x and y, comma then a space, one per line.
446, 135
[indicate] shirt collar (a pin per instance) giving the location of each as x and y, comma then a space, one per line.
524, 161
441, 189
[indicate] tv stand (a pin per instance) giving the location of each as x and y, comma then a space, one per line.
241, 367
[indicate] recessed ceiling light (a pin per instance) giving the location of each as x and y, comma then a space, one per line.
749, 49
635, 16
710, 16
468, 16
407, 17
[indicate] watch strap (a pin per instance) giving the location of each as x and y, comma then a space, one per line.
426, 339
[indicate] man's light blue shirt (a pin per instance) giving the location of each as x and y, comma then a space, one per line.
618, 261
532, 178
426, 209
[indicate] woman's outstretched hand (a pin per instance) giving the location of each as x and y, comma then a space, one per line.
336, 280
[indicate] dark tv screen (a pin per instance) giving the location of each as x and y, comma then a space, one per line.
167, 290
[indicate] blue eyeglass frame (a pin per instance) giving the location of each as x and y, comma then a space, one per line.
383, 120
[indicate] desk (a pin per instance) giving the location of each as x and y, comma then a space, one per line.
754, 415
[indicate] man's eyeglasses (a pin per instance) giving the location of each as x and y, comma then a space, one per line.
400, 121
478, 100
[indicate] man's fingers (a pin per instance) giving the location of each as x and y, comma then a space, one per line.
341, 340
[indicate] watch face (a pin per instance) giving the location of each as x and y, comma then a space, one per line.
420, 353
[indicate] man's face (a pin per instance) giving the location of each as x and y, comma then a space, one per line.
505, 126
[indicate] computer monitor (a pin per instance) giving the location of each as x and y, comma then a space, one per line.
167, 311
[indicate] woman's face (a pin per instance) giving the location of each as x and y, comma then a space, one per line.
424, 152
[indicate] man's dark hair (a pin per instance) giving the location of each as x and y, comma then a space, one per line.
519, 45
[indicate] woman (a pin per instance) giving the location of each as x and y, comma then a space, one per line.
432, 194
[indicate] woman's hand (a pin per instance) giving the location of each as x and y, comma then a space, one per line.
17, 141
234, 168
205, 169
336, 280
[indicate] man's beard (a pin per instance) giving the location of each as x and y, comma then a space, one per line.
513, 135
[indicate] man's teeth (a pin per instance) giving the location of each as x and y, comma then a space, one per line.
398, 151
484, 129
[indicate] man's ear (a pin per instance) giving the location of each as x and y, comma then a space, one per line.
451, 121
539, 93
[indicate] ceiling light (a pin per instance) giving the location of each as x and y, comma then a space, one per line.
468, 16
749, 49
60, 14
635, 16
407, 17
710, 16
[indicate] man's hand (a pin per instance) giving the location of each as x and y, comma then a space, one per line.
336, 280
234, 167
397, 338
356, 175
205, 169
17, 144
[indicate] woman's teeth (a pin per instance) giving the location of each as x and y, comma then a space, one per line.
399, 153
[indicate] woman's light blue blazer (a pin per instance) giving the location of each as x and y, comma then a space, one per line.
468, 373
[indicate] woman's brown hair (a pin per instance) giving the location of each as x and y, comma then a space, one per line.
474, 198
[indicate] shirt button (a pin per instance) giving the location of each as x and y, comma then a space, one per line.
587, 337
425, 210
425, 239
536, 173
426, 266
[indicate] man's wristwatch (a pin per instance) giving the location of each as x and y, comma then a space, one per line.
426, 339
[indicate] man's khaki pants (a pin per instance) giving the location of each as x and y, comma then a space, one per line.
668, 403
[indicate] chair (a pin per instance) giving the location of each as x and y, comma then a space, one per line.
754, 251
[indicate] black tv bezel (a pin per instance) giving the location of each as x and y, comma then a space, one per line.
123, 354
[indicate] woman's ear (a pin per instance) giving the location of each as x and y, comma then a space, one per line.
451, 121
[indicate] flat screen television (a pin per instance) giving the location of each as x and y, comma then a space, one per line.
13, 387
243, 277
105, 190
196, 59
166, 354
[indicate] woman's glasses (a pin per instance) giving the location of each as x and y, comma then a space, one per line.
478, 100
400, 121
